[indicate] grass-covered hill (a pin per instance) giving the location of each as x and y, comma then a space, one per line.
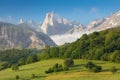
104, 45
77, 72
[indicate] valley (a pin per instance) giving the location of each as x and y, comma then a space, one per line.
59, 40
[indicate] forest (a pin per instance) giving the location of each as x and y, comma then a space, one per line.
104, 45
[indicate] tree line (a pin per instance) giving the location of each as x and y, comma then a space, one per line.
15, 57
104, 45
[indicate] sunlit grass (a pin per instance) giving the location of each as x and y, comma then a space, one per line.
78, 72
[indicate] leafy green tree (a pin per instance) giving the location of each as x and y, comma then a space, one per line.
54, 52
90, 65
21, 61
115, 56
17, 77
32, 58
97, 69
3, 65
15, 67
68, 62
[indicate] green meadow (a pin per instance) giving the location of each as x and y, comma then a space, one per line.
78, 72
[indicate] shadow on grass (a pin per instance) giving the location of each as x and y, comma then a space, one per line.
40, 76
100, 63
26, 69
109, 70
79, 65
106, 70
36, 77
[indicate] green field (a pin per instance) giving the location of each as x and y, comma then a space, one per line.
78, 72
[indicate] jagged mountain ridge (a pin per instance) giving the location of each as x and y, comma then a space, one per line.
18, 37
56, 25
60, 29
96, 25
110, 22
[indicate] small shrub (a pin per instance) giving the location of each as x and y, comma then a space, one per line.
33, 76
68, 62
50, 70
15, 67
17, 77
92, 67
59, 66
56, 65
113, 69
56, 68
97, 69
65, 68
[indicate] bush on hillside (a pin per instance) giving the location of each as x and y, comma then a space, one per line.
57, 68
68, 62
92, 67
113, 69
15, 67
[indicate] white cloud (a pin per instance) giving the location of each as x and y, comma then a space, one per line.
7, 19
66, 38
94, 10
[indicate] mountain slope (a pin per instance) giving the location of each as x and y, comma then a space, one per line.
95, 24
12, 36
109, 22
77, 29
103, 45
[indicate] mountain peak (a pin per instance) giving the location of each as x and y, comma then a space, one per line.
21, 21
49, 18
54, 24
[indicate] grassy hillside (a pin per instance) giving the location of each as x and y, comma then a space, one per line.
103, 45
78, 72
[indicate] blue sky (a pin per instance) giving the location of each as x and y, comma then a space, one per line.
81, 10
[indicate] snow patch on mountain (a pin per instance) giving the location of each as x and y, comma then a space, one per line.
21, 21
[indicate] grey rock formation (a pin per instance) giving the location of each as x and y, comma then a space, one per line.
19, 37
54, 25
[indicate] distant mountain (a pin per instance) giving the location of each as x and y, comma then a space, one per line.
109, 22
61, 30
54, 24
95, 24
18, 37
97, 45
31, 24
79, 29
21, 21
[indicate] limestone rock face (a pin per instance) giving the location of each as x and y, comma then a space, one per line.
18, 37
55, 25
